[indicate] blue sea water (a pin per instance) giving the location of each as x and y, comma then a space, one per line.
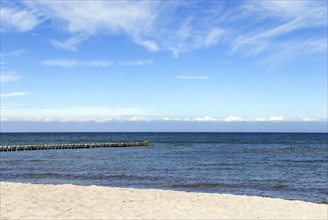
281, 165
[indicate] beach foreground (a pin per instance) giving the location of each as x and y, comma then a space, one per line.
38, 201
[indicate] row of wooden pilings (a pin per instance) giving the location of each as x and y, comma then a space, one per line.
71, 146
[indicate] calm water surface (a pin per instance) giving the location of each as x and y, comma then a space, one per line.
290, 166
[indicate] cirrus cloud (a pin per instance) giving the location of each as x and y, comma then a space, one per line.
67, 63
9, 77
160, 26
75, 63
192, 77
18, 19
13, 94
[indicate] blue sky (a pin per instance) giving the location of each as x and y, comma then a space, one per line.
164, 65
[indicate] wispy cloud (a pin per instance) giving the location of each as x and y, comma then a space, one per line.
67, 63
150, 45
291, 50
5, 74
310, 119
85, 19
4, 56
18, 19
213, 37
17, 52
9, 77
13, 53
282, 18
13, 94
70, 43
153, 25
136, 62
75, 63
160, 26
192, 77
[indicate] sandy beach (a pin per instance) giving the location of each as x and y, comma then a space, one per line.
37, 201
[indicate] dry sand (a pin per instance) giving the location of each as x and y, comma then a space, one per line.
36, 201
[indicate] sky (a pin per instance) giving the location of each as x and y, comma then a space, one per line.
164, 66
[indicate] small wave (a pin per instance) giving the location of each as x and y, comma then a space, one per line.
305, 161
35, 160
279, 186
200, 185
229, 186
220, 164
129, 177
323, 201
43, 175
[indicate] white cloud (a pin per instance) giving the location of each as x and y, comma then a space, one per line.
310, 119
205, 119
136, 62
233, 119
277, 118
9, 77
261, 119
171, 119
107, 114
272, 118
138, 118
75, 63
192, 77
13, 94
18, 19
257, 119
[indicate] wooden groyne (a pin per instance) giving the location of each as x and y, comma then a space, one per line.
71, 146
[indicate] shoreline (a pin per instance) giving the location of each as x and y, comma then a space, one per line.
52, 201
164, 189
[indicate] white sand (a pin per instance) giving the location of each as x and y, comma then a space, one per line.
36, 201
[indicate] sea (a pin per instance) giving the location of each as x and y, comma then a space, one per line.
291, 166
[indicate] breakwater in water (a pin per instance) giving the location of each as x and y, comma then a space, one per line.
71, 146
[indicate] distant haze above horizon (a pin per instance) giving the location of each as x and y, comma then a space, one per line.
164, 66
